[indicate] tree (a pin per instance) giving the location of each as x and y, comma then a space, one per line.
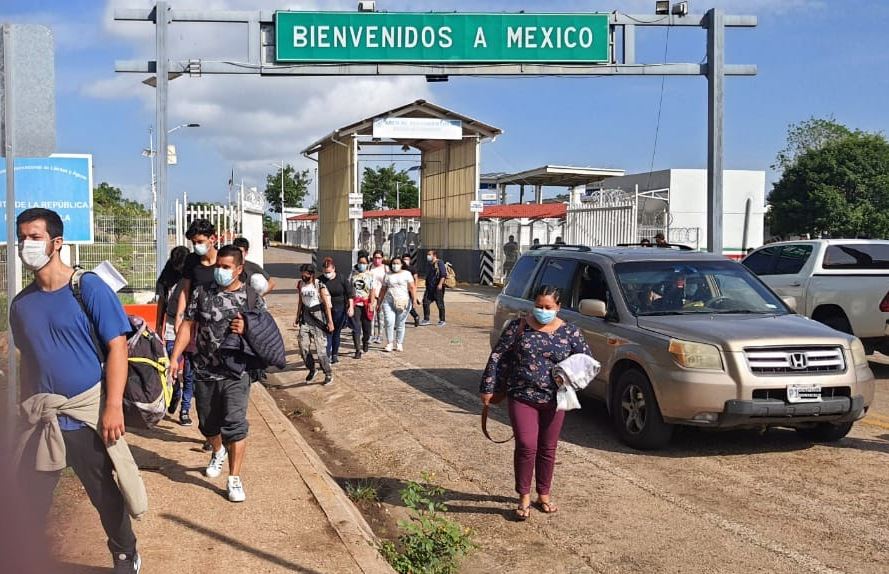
296, 186
271, 226
390, 188
811, 134
109, 200
840, 188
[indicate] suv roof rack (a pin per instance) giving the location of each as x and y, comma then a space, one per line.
561, 246
678, 246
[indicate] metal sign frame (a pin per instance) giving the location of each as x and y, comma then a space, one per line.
260, 42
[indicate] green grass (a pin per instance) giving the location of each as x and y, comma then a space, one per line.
363, 491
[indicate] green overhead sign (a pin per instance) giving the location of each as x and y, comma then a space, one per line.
432, 38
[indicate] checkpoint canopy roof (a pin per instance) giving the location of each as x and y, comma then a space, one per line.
553, 176
417, 109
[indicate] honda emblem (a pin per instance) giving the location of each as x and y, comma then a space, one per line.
798, 361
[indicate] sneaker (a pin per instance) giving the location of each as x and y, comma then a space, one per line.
334, 359
185, 420
388, 348
442, 324
236, 489
311, 375
425, 323
399, 347
174, 404
217, 460
124, 564
328, 379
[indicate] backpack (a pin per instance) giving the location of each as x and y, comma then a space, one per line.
451, 279
147, 393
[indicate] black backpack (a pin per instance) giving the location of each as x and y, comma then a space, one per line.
148, 392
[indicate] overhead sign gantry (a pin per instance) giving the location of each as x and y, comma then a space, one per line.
438, 45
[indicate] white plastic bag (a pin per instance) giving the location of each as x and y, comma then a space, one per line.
566, 399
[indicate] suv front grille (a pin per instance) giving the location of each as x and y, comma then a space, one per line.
795, 361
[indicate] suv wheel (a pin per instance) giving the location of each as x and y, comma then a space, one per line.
636, 415
825, 432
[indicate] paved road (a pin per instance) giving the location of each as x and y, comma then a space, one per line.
712, 502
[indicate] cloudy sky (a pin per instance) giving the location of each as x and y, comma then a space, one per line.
815, 58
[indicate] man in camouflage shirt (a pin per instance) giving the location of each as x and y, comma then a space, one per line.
221, 395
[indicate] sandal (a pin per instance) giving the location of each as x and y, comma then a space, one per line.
523, 513
546, 507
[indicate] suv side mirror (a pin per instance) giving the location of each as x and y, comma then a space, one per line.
790, 302
593, 308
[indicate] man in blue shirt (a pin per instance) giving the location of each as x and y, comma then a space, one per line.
52, 332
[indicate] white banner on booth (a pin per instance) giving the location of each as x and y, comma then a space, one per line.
418, 128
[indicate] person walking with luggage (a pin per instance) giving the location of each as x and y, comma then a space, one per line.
75, 404
521, 366
168, 287
258, 278
342, 302
364, 288
314, 320
435, 287
222, 396
398, 293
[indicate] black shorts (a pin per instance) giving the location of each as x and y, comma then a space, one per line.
222, 407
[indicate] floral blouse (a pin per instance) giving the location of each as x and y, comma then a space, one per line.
532, 360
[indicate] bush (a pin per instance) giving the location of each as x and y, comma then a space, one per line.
431, 543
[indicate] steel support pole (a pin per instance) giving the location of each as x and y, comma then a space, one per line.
715, 123
11, 232
161, 21
282, 202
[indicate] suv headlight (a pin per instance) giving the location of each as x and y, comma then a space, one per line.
859, 355
696, 355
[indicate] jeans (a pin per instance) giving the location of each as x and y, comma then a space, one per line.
87, 456
436, 296
334, 339
185, 389
308, 334
222, 408
536, 428
395, 320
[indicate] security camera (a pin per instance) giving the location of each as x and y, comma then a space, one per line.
367, 6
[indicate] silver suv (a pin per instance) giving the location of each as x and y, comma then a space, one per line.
695, 339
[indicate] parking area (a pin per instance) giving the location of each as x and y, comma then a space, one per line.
740, 501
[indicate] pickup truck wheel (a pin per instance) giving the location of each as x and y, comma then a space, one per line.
837, 321
825, 432
636, 415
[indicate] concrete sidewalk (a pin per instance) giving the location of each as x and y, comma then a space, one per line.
295, 519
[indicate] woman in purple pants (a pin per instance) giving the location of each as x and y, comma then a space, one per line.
532, 347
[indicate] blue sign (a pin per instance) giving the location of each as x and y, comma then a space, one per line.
62, 183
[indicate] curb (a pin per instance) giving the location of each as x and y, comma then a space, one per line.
343, 516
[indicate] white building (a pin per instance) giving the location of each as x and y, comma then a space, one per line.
675, 200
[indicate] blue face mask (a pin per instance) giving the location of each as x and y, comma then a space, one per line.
544, 316
223, 277
362, 267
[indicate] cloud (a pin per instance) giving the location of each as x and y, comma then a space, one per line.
139, 192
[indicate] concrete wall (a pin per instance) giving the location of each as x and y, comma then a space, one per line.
336, 169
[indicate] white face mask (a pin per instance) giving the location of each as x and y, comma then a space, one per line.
329, 274
201, 248
33, 254
396, 267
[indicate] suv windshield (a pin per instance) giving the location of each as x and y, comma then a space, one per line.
680, 288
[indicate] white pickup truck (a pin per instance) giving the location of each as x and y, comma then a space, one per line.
843, 283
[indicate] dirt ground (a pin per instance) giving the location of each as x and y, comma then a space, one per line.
739, 501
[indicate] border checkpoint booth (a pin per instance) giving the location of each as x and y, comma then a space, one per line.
449, 180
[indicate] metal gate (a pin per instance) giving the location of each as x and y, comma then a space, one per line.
602, 225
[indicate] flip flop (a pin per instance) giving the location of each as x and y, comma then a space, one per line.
523, 513
546, 507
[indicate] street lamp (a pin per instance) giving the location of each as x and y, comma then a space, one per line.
150, 153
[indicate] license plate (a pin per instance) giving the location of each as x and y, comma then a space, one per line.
803, 393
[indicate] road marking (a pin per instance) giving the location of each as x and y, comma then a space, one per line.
741, 531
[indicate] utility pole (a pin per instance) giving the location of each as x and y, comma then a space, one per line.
282, 202
151, 154
397, 195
